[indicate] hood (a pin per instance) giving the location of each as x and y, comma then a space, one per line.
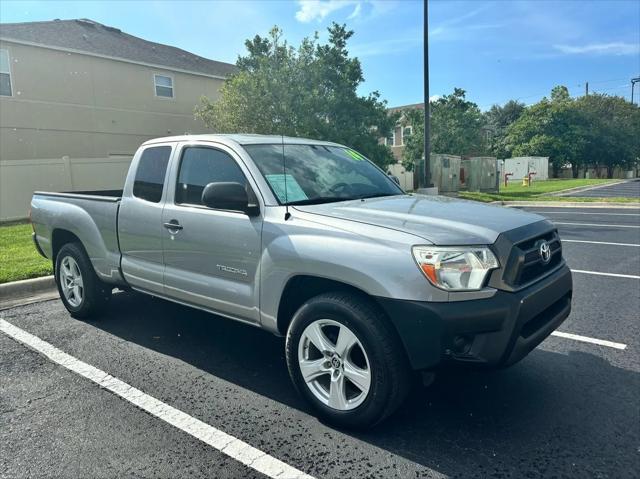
438, 219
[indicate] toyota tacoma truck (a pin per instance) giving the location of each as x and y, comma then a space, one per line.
311, 241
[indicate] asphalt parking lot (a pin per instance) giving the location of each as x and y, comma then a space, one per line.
570, 409
625, 189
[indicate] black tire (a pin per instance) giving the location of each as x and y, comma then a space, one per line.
387, 362
95, 293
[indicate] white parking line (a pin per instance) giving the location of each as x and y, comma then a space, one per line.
586, 339
223, 442
582, 213
600, 242
596, 224
598, 273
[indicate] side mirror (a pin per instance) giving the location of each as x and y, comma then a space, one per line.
228, 196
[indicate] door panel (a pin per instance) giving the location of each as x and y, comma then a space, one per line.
212, 261
140, 229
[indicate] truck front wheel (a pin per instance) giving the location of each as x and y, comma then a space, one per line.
346, 360
81, 291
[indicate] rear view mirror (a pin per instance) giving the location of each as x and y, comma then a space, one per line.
228, 196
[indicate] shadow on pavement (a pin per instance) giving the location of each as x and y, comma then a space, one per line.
552, 415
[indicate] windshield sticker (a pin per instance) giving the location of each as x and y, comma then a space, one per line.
293, 192
355, 155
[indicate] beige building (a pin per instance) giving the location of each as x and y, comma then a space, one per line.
397, 141
78, 97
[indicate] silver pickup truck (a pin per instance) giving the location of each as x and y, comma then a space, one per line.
310, 240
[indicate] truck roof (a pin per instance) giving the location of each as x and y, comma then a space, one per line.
242, 139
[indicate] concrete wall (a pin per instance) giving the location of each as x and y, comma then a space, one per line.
619, 173
75, 120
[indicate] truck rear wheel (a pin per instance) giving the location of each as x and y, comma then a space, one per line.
345, 359
81, 291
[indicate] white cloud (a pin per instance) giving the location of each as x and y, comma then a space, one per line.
451, 25
356, 12
406, 42
319, 9
613, 48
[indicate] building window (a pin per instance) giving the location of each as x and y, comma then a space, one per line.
389, 140
164, 86
152, 168
407, 131
5, 73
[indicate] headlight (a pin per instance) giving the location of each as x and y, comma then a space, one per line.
455, 268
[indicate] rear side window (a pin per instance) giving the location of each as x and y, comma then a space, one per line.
150, 174
201, 166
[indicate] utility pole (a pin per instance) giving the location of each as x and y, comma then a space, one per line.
425, 177
586, 89
633, 84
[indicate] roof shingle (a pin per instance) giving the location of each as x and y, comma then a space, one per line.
95, 38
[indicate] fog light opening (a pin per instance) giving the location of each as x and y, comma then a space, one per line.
462, 344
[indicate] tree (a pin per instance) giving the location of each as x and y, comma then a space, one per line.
497, 120
456, 128
613, 136
552, 127
308, 91
594, 130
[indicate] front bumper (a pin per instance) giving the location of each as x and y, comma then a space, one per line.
496, 331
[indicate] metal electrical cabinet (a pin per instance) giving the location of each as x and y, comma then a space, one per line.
445, 171
481, 173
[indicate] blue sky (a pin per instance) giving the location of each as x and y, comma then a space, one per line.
496, 50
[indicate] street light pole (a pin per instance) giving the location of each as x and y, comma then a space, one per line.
426, 176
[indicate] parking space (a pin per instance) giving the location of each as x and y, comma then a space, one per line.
626, 189
569, 409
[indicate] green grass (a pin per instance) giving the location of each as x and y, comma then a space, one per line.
539, 191
18, 256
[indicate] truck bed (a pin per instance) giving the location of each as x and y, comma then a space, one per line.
91, 216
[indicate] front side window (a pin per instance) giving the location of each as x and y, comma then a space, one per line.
201, 166
152, 168
320, 174
163, 85
5, 74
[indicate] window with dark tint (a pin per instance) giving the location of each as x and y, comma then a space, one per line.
151, 172
201, 166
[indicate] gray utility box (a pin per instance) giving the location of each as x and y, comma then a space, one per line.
480, 173
445, 172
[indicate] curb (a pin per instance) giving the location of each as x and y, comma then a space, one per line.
27, 287
569, 204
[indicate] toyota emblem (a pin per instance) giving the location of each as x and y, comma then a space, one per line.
545, 252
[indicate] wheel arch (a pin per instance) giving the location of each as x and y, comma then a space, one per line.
59, 238
301, 288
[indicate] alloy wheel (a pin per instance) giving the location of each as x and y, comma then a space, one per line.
71, 281
334, 364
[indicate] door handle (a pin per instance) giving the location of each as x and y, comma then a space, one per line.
173, 225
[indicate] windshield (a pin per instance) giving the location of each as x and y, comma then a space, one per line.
320, 174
